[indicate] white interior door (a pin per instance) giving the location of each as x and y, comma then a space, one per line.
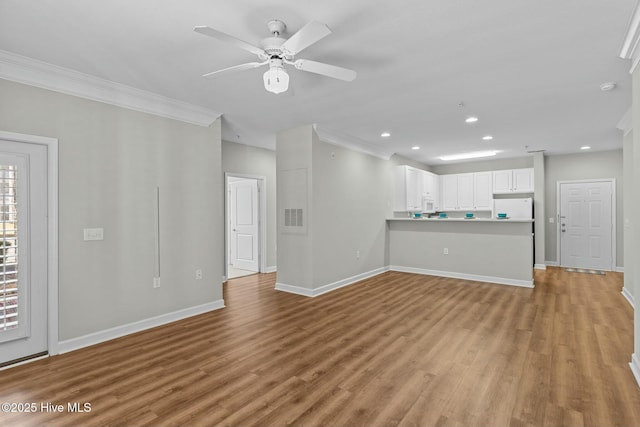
244, 225
586, 225
23, 250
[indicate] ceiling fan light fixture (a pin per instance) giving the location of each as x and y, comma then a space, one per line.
276, 79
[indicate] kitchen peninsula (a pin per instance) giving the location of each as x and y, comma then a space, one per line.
482, 249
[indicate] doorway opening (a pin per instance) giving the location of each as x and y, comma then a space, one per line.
244, 231
586, 224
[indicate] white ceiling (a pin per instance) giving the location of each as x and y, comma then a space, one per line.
529, 69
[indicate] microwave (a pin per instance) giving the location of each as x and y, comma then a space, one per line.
428, 205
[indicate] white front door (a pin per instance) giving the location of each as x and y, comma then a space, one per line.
23, 250
586, 225
244, 224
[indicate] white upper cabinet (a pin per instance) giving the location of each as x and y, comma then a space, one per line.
513, 181
523, 180
482, 195
502, 181
449, 192
466, 192
408, 187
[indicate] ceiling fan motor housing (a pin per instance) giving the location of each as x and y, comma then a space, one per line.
272, 46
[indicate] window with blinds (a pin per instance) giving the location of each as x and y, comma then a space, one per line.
8, 248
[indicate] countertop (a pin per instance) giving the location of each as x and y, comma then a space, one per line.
460, 220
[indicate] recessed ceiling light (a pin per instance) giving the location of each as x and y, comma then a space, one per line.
415, 147
473, 155
471, 119
585, 147
385, 134
487, 138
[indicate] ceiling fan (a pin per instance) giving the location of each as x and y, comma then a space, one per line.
277, 51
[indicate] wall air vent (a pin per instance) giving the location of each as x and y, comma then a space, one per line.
293, 218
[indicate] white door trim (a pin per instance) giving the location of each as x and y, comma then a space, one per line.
52, 229
613, 216
262, 219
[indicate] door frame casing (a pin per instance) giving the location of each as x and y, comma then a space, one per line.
614, 226
52, 229
262, 219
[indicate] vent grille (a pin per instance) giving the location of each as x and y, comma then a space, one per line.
293, 218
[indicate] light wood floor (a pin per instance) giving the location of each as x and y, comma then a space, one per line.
394, 350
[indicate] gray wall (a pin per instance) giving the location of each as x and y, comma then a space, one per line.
398, 160
245, 159
110, 162
484, 165
348, 198
351, 200
627, 214
293, 152
634, 258
582, 166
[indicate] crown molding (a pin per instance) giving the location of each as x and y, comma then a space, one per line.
352, 143
22, 69
629, 49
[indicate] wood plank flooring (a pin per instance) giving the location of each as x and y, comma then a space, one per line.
394, 350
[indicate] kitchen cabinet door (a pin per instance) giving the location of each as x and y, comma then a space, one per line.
449, 192
523, 180
502, 181
414, 189
407, 189
465, 191
482, 194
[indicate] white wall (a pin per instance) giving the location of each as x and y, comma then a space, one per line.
110, 161
245, 159
583, 166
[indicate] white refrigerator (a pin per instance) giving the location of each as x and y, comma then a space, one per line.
514, 208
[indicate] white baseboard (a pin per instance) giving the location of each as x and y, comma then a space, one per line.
130, 328
463, 276
629, 297
298, 290
271, 269
552, 263
620, 269
331, 286
635, 367
540, 266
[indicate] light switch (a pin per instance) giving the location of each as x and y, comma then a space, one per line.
93, 234
551, 220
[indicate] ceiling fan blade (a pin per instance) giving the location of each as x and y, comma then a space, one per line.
305, 37
241, 67
208, 31
325, 69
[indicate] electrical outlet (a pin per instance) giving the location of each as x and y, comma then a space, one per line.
445, 251
199, 274
156, 282
358, 254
